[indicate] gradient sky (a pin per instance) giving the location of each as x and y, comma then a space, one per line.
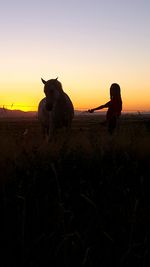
88, 44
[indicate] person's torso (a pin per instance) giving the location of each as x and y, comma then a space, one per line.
114, 108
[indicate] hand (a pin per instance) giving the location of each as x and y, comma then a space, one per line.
90, 110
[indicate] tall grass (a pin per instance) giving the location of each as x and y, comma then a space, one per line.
81, 200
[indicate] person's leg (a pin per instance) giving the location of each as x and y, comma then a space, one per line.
112, 124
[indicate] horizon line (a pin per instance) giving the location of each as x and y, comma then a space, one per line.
76, 109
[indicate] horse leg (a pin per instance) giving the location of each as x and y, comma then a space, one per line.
50, 133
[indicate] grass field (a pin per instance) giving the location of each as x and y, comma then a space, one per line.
81, 200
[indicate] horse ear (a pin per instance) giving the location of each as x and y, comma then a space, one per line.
56, 79
43, 81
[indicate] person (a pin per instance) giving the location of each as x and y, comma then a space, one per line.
114, 107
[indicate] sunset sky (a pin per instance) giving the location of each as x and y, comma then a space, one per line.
88, 44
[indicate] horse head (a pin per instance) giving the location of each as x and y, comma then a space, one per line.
53, 90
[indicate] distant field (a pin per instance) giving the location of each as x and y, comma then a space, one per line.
81, 200
87, 133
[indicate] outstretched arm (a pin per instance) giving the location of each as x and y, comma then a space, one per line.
99, 107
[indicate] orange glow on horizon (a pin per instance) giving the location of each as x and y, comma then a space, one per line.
88, 46
26, 96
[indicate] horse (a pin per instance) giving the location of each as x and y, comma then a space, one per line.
55, 110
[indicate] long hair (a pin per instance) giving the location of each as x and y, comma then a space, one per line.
115, 90
115, 95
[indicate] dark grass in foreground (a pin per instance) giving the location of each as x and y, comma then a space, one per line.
84, 201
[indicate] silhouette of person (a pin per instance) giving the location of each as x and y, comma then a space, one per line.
114, 107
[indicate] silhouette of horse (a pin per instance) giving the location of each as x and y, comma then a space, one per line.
56, 109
